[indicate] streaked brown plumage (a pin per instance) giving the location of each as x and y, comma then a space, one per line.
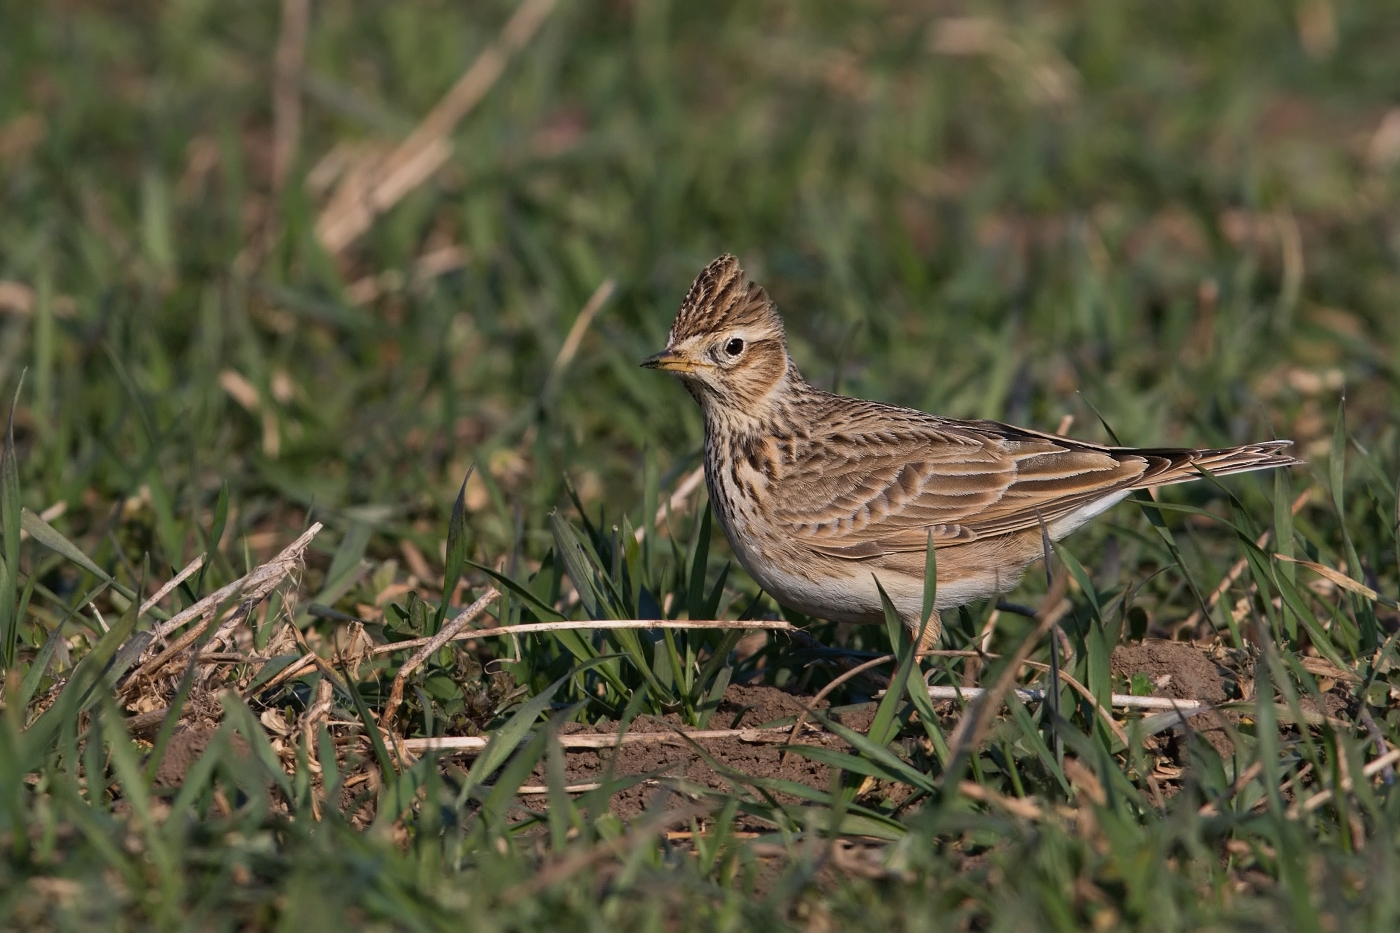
819, 494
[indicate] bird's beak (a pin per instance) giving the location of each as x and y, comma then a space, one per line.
670, 361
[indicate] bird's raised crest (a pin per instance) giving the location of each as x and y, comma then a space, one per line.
723, 297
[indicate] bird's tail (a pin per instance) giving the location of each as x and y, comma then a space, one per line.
1180, 465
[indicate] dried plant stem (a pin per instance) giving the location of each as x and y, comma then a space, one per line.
190, 570
449, 631
1032, 695
571, 343
525, 790
1212, 807
249, 590
475, 743
811, 705
532, 628
364, 195
1016, 806
1104, 714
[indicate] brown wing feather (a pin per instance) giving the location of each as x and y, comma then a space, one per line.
883, 487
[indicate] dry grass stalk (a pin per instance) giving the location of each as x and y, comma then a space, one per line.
811, 705
571, 343
475, 743
1104, 714
190, 570
533, 628
1032, 695
1016, 806
1212, 808
249, 590
1337, 578
362, 197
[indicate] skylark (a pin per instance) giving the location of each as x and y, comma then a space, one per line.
819, 495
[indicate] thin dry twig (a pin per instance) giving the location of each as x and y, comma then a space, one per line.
358, 200
1035, 695
1378, 739
475, 743
526, 790
1104, 714
1017, 806
164, 591
449, 631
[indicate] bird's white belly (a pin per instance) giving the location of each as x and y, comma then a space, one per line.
1081, 516
823, 591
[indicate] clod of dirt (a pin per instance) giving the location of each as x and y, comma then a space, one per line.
184, 749
1183, 671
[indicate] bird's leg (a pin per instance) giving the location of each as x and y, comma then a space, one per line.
929, 639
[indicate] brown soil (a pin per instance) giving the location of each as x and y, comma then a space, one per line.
1185, 671
743, 707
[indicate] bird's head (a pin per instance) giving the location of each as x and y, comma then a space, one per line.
726, 343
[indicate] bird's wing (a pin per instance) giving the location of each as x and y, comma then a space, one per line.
872, 486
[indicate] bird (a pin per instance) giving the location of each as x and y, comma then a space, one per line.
822, 495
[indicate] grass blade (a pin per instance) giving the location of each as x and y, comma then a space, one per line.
9, 540
699, 562
884, 726
78, 693
456, 550
36, 671
930, 582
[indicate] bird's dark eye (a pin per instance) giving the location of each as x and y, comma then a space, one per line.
734, 347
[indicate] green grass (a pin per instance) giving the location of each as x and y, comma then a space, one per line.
1179, 217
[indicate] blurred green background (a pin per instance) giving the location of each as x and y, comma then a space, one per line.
1187, 212
1184, 216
